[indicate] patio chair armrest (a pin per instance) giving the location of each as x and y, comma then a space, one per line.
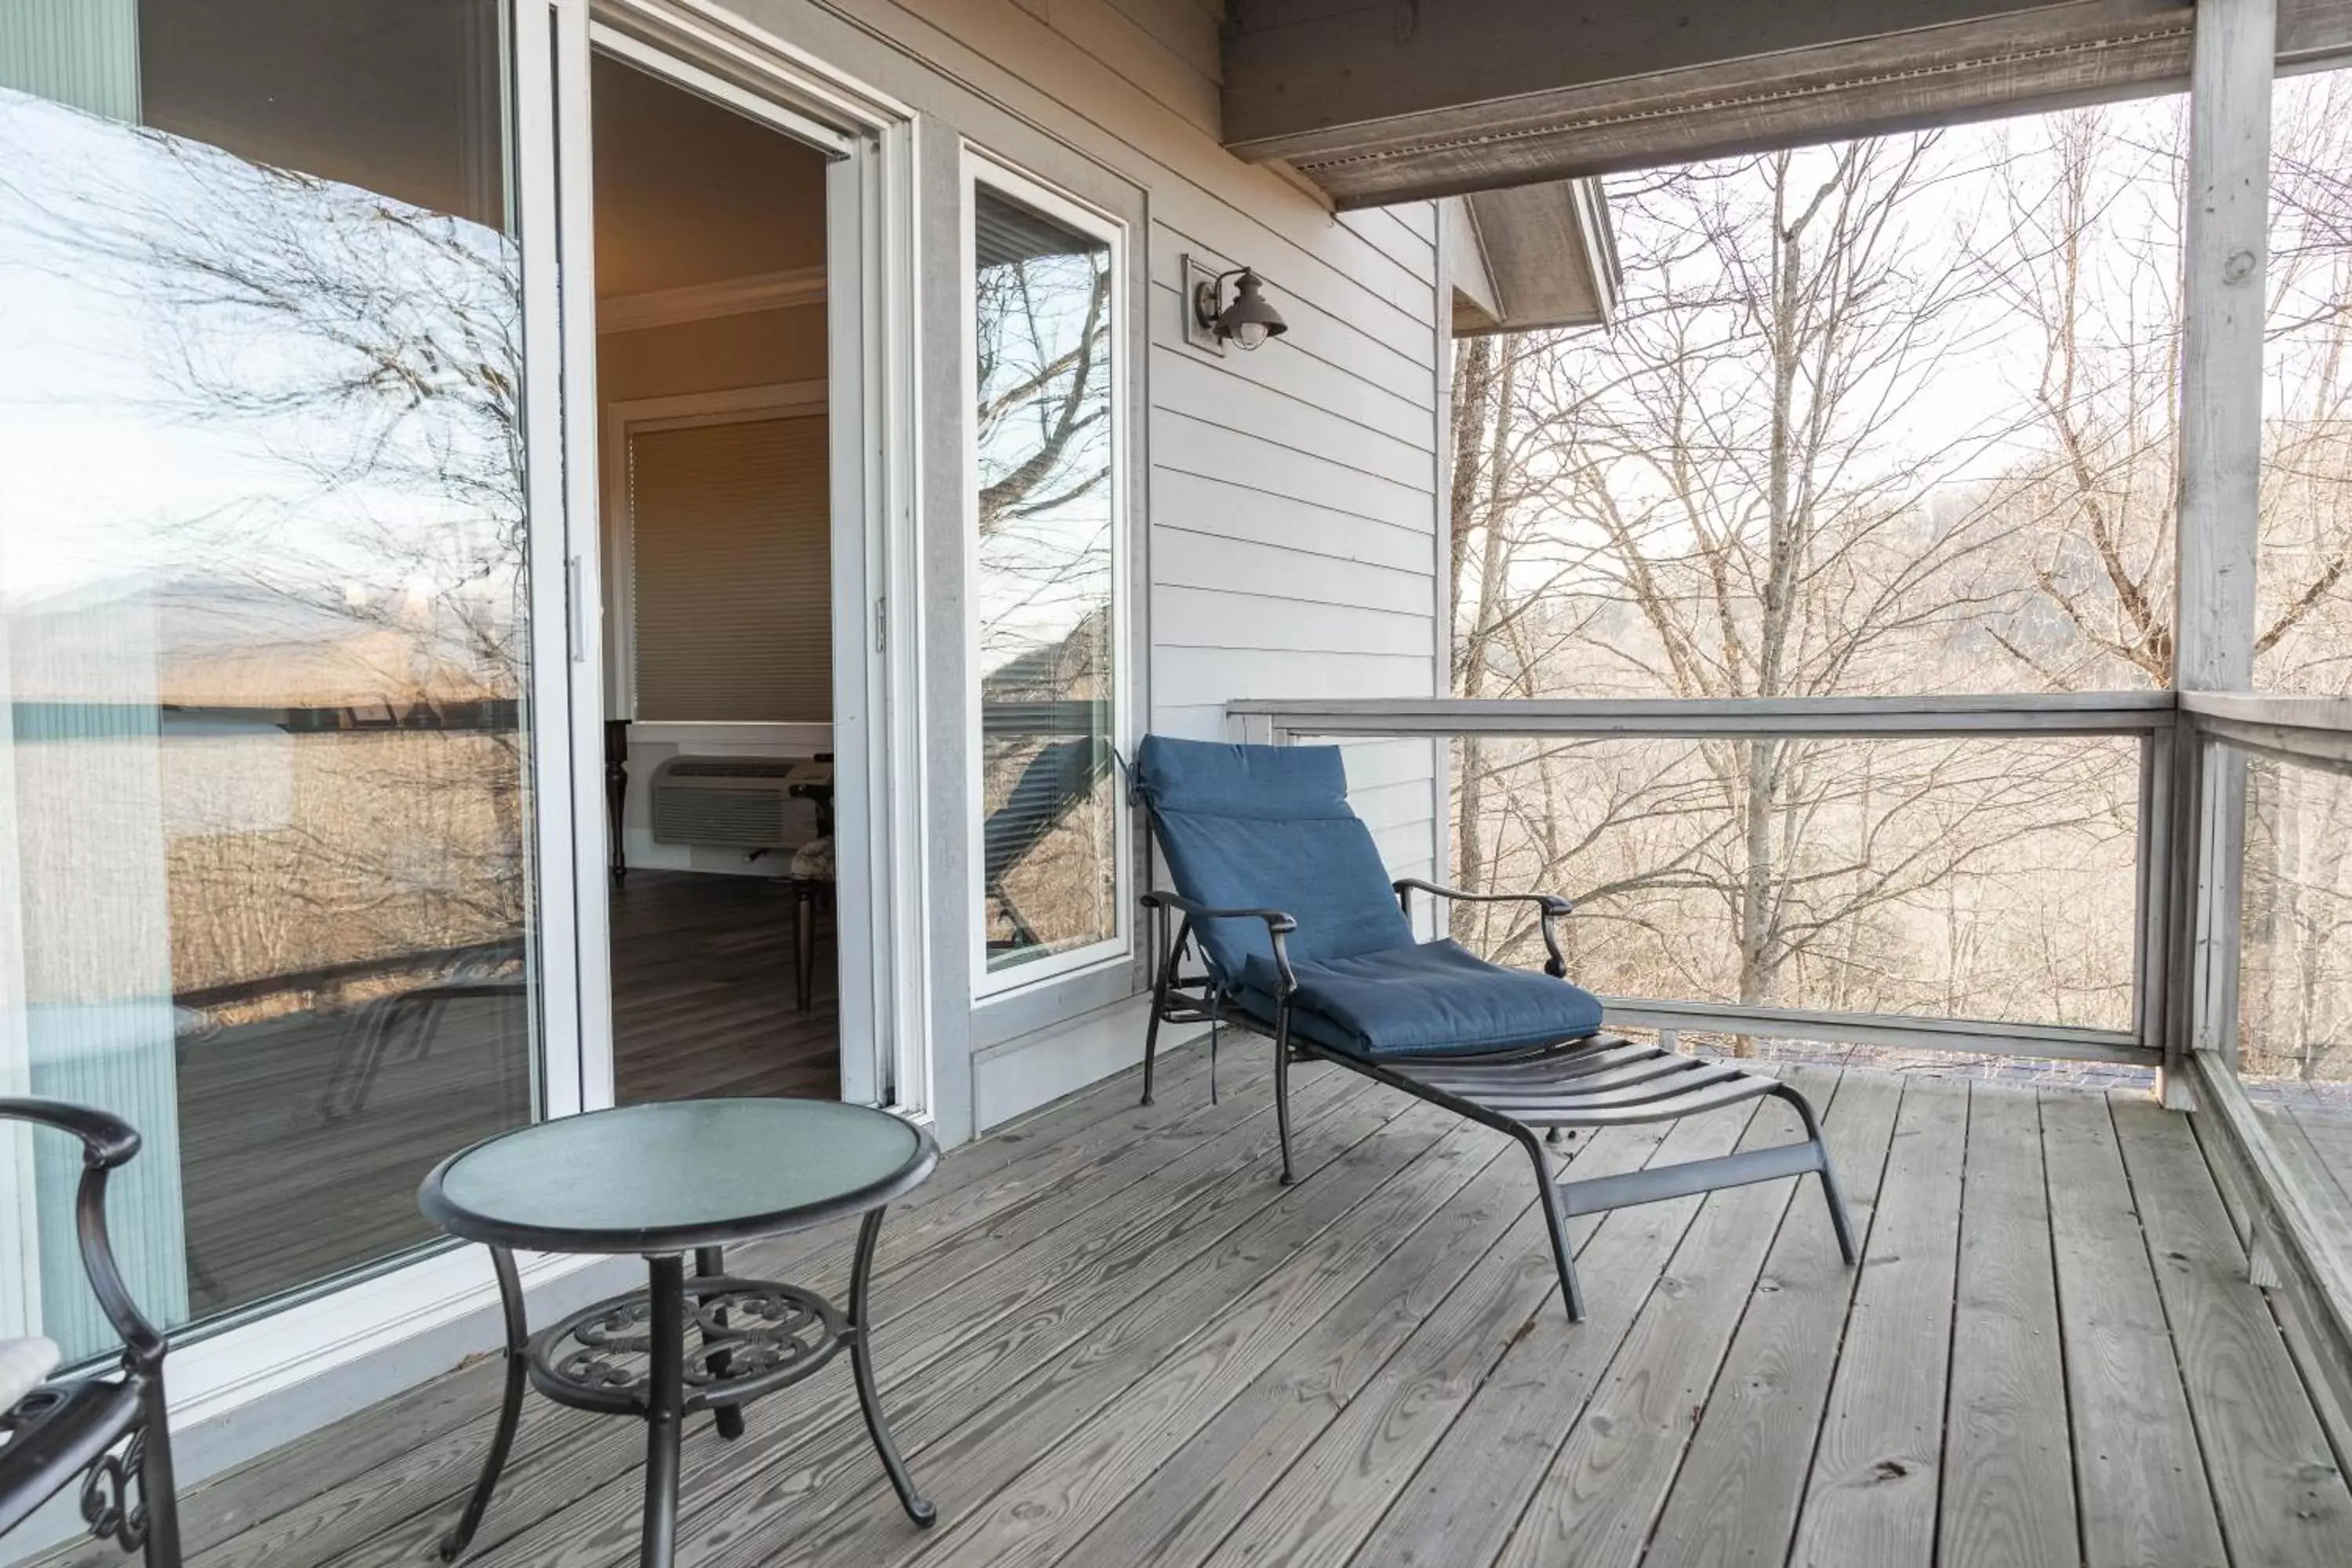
1193, 908
107, 1142
1279, 926
1549, 907
106, 1139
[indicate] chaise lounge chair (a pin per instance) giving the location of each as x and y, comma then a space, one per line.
1300, 931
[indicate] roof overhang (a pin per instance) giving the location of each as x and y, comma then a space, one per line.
1530, 256
1381, 102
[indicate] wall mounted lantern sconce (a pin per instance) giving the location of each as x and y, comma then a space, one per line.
1246, 320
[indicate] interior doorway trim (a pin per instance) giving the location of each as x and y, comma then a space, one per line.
879, 780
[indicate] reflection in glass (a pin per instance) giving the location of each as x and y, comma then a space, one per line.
1045, 585
2295, 974
264, 798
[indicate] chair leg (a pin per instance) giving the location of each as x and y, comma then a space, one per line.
1151, 1040
157, 1491
1555, 1213
804, 948
1838, 1220
1216, 1024
1282, 1084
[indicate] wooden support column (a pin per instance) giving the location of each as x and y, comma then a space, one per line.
2226, 233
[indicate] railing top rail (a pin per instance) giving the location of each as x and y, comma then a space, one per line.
2067, 713
2264, 708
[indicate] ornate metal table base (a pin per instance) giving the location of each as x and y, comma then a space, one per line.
708, 1342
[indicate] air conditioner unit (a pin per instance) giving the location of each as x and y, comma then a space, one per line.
735, 802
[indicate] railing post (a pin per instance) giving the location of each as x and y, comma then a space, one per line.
2226, 231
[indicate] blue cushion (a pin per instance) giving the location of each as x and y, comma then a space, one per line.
1433, 999
1270, 828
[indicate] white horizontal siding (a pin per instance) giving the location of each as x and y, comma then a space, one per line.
1185, 557
1345, 421
1221, 506
1292, 538
1213, 619
1295, 372
1199, 442
1199, 677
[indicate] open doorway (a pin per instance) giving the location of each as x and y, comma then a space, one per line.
710, 242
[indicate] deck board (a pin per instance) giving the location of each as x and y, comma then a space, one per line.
2275, 1484
1597, 1503
2145, 1496
2008, 1479
1871, 1500
1112, 1338
1737, 1498
1464, 1502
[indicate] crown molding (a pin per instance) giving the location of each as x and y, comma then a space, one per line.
707, 301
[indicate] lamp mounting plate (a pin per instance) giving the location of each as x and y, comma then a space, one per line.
1200, 276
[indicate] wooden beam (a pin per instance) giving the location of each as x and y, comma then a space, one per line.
1381, 102
2226, 238
1549, 257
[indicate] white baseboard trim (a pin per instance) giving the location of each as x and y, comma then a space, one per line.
1017, 1076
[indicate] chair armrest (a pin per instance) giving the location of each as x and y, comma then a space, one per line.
1549, 907
1193, 908
107, 1142
1279, 926
1552, 903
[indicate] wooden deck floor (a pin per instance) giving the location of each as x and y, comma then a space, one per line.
1108, 1337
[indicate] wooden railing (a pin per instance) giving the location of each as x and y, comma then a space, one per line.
2148, 716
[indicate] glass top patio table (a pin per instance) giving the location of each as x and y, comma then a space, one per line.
676, 1175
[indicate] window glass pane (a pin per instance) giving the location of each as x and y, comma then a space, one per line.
2295, 977
1045, 588
2303, 631
264, 799
1974, 878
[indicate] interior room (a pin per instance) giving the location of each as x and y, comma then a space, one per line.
711, 253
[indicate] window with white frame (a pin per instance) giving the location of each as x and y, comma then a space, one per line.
1047, 564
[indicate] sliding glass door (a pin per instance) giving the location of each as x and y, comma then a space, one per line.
266, 803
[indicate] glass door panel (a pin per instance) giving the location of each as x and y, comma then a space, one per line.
2294, 972
266, 798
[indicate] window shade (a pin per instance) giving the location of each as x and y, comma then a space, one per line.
730, 528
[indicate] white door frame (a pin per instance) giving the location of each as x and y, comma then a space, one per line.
360, 1324
869, 221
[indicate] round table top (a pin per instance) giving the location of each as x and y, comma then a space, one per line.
676, 1175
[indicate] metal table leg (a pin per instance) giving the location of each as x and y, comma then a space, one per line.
665, 1405
861, 1359
710, 1263
518, 1366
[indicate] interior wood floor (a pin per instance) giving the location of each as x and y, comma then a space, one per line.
1106, 1336
702, 992
292, 1171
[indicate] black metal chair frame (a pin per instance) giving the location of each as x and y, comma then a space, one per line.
66, 1431
1598, 1080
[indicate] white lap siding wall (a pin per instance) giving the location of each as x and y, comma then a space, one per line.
1292, 495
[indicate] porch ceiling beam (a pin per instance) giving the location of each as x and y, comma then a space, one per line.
1380, 102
